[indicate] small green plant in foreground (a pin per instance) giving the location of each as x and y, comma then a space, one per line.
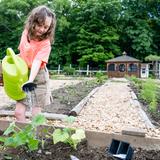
69, 136
26, 137
15, 136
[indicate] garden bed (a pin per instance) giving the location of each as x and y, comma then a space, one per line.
59, 151
87, 149
154, 117
66, 98
95, 119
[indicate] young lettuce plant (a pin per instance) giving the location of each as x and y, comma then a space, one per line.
69, 136
15, 136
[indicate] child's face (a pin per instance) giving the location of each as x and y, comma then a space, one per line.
41, 29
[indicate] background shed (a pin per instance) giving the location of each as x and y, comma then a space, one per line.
123, 65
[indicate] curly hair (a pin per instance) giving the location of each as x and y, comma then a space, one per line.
38, 16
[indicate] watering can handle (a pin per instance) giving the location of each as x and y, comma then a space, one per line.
11, 53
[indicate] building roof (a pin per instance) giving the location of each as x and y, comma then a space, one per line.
123, 58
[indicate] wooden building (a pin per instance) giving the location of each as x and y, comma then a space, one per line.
123, 65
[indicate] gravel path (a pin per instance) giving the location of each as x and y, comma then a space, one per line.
110, 110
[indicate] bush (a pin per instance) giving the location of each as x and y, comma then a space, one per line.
149, 94
100, 77
69, 70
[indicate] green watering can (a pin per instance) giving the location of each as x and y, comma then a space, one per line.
15, 74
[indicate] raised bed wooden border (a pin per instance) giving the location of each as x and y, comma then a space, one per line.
100, 139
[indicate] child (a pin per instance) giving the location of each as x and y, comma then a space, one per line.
35, 48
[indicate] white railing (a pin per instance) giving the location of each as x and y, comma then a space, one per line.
79, 71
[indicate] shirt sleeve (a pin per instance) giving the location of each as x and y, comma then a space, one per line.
23, 39
44, 52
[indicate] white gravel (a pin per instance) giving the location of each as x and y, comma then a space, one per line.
110, 110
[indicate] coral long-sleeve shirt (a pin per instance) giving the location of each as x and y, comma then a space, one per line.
39, 50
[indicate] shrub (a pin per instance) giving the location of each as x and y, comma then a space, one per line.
69, 70
149, 94
100, 77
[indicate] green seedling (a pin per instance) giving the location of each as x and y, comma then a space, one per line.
15, 136
69, 136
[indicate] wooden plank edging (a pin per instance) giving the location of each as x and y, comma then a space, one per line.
77, 109
51, 116
99, 139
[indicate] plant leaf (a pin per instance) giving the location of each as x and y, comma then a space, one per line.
60, 136
69, 119
20, 138
33, 144
78, 135
38, 120
2, 139
10, 129
10, 142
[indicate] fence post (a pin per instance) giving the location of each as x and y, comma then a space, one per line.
79, 71
59, 68
87, 70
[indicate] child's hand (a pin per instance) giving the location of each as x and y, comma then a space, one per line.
28, 86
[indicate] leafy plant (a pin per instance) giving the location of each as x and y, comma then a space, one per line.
135, 81
149, 94
69, 136
69, 70
15, 136
100, 77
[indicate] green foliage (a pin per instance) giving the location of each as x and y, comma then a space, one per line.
69, 70
100, 77
141, 36
96, 58
149, 94
137, 23
69, 119
152, 58
90, 31
135, 79
69, 136
16, 137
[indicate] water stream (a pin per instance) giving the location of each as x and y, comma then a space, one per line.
29, 100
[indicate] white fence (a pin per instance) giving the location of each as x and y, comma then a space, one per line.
79, 71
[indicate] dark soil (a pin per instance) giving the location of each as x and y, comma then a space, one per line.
61, 151
65, 99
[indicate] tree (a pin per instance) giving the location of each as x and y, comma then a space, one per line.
138, 21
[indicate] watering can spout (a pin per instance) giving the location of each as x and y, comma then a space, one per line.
9, 52
15, 73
